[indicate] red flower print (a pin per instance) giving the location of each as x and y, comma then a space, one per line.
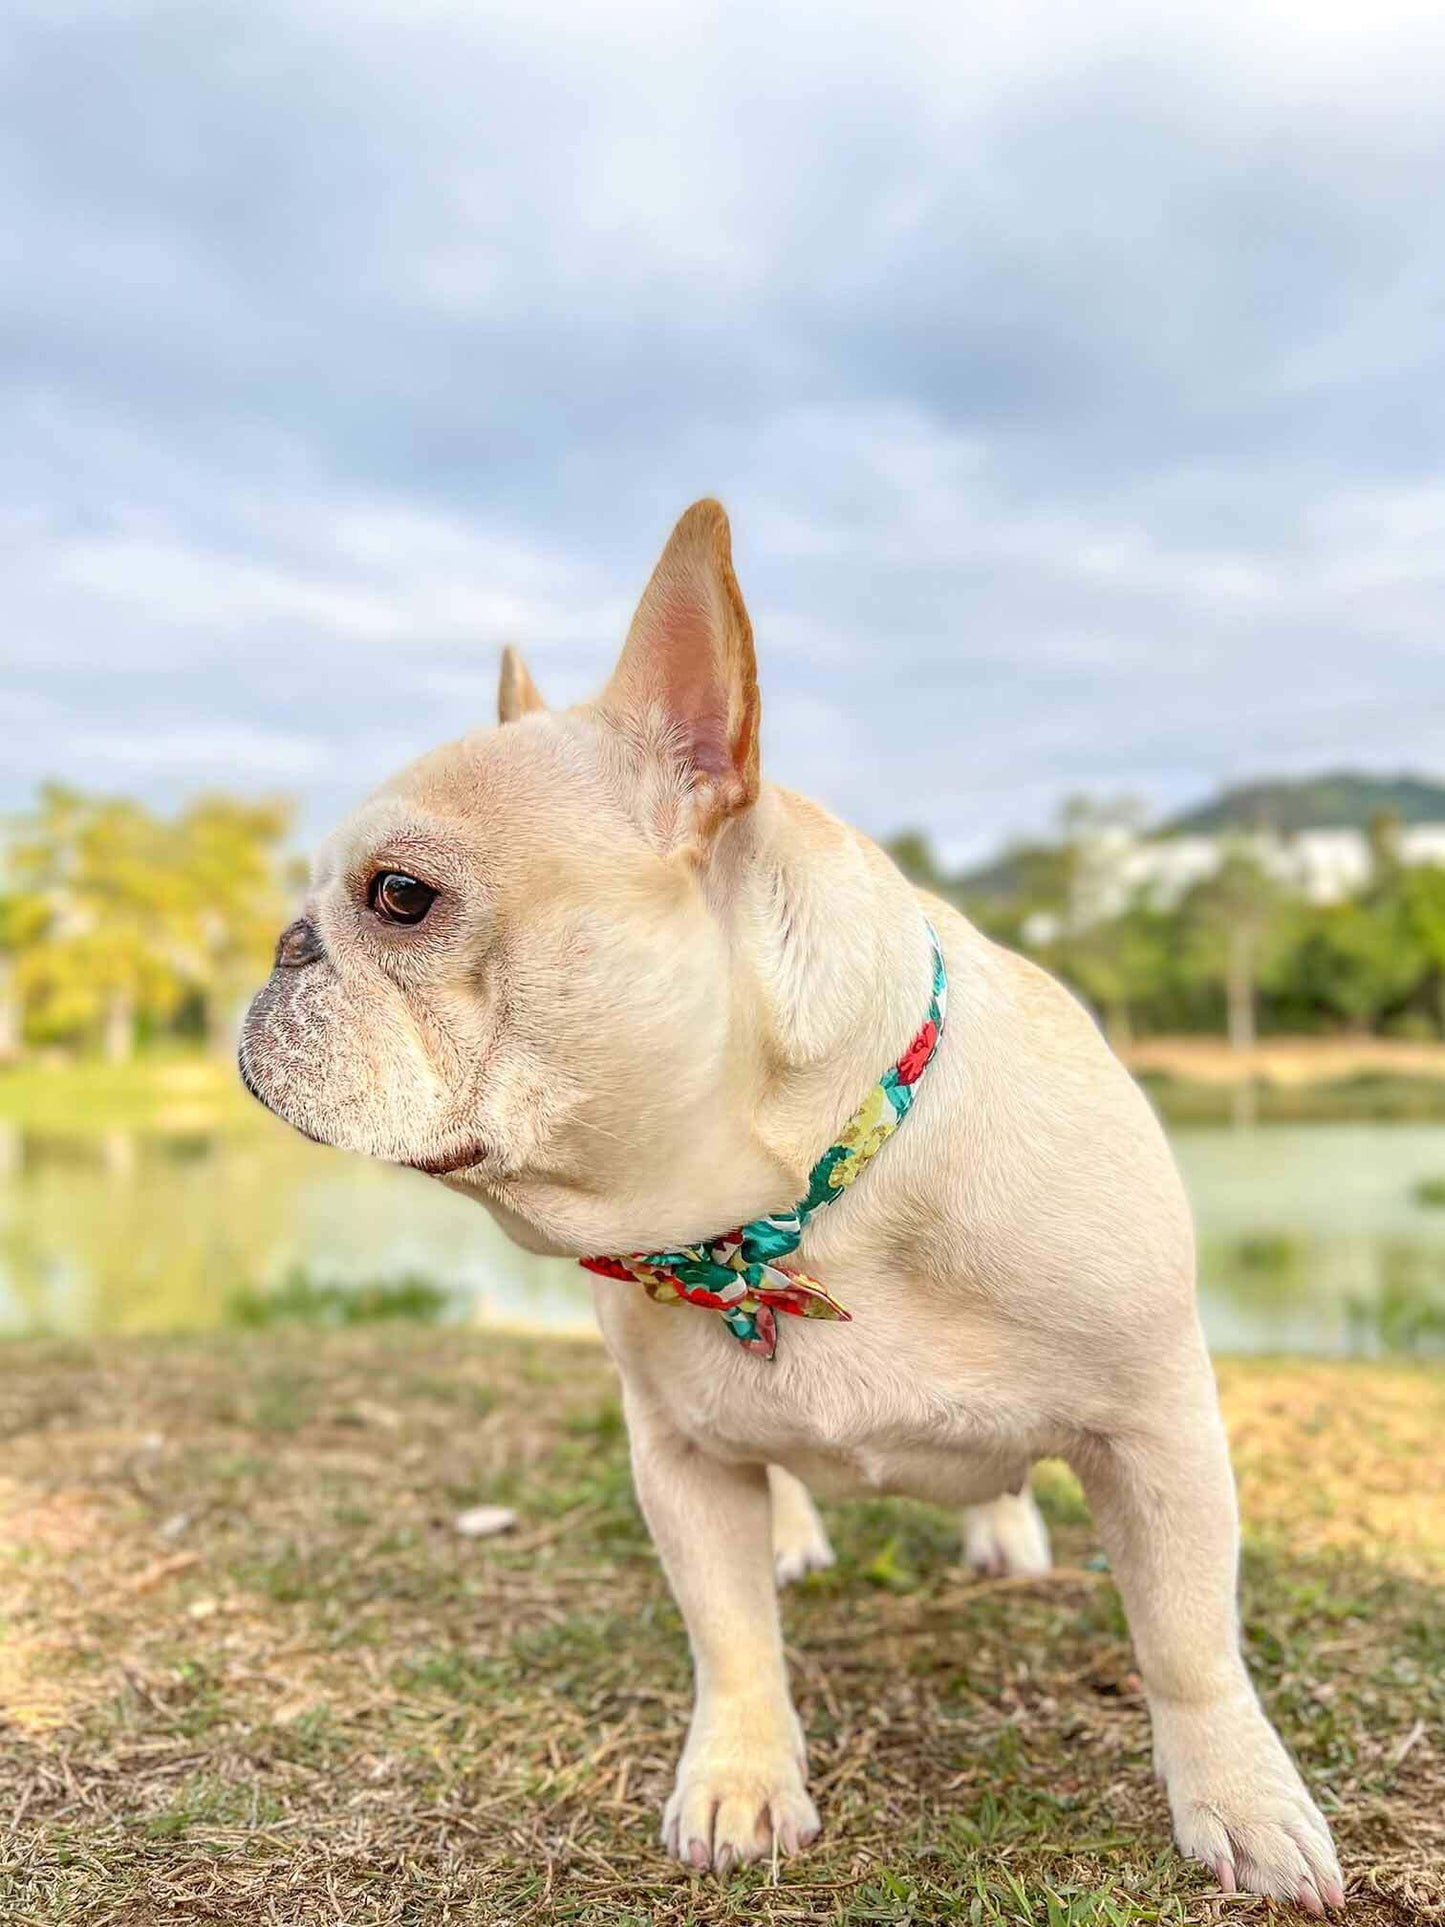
605, 1267
700, 1295
766, 1342
911, 1063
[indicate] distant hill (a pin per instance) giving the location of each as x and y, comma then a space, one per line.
1340, 800
1001, 877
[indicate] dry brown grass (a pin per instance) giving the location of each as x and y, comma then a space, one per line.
250, 1673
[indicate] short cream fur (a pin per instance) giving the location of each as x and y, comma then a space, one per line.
648, 993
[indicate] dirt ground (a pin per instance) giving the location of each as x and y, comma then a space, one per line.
1284, 1061
251, 1673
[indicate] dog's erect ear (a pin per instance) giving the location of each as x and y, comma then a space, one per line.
688, 665
517, 694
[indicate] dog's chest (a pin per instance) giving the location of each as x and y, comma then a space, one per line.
846, 1418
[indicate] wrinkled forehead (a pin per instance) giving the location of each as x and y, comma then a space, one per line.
495, 802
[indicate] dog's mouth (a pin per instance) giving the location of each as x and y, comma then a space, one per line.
244, 1070
449, 1162
443, 1165
254, 1089
446, 1162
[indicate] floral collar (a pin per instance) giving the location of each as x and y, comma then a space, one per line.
737, 1274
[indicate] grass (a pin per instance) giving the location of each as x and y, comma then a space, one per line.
300, 1299
251, 1673
174, 1091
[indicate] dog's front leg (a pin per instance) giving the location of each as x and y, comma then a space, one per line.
741, 1780
1163, 1499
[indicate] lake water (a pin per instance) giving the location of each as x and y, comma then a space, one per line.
1312, 1237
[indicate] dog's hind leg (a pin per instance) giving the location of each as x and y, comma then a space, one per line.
1007, 1538
1163, 1498
800, 1543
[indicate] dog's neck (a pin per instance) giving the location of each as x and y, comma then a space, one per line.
834, 946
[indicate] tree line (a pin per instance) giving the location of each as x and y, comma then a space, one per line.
121, 926
1236, 953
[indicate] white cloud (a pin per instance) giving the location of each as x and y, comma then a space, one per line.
215, 757
1074, 376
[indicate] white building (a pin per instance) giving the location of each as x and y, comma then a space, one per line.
1322, 866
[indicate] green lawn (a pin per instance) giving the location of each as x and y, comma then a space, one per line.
177, 1092
250, 1672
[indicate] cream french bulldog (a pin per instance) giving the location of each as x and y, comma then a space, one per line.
588, 969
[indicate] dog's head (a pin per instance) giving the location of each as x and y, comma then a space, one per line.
507, 973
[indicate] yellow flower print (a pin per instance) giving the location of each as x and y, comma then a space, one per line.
860, 1128
872, 1125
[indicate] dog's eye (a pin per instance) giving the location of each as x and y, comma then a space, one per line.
398, 898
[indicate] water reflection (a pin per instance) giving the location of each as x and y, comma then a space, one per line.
1316, 1237
1244, 1104
1313, 1237
128, 1230
1358, 1296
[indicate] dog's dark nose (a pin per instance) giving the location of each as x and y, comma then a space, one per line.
298, 945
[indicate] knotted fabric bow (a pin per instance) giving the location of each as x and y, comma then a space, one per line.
738, 1274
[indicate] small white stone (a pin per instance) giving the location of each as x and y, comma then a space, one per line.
483, 1521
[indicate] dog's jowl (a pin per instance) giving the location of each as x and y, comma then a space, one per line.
869, 1203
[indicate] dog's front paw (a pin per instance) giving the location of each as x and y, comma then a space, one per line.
738, 1792
1240, 1806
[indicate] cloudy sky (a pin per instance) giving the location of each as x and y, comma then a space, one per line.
1075, 379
